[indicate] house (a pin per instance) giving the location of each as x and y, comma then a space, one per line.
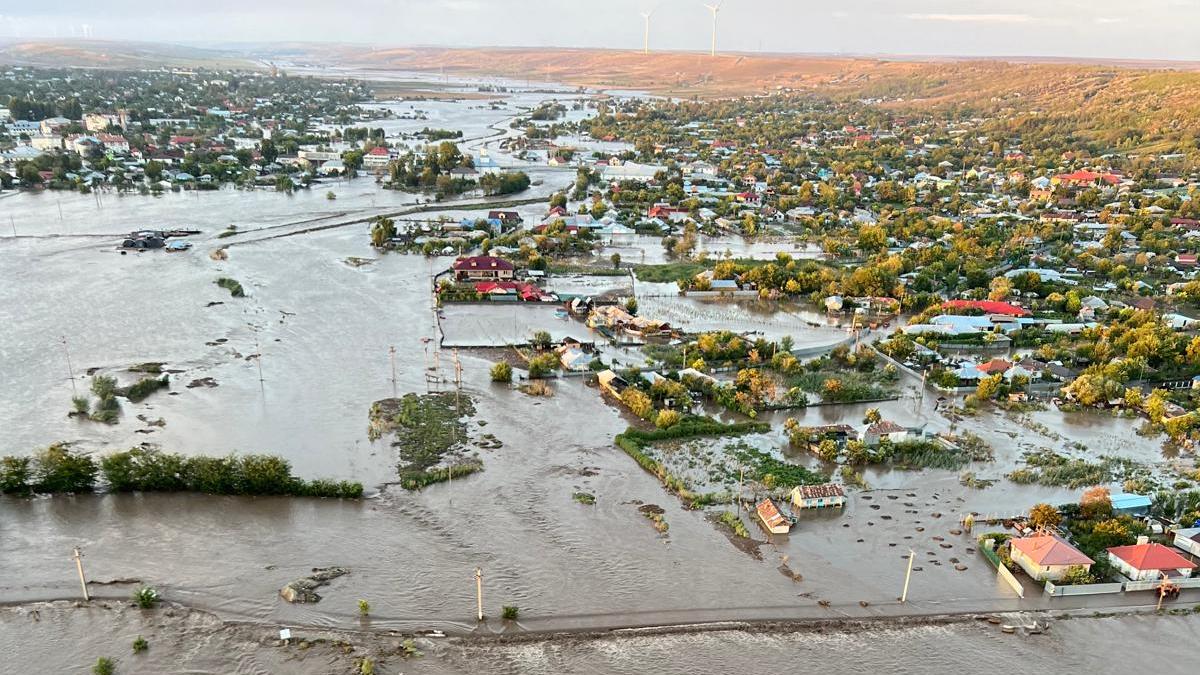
483, 268
987, 307
611, 383
1047, 556
1188, 539
885, 430
1149, 562
509, 218
818, 496
572, 357
376, 159
774, 521
1132, 505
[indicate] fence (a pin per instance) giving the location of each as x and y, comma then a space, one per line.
1002, 571
1154, 584
1082, 589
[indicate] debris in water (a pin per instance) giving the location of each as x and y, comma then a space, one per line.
305, 589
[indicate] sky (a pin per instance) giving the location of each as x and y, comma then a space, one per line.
1145, 29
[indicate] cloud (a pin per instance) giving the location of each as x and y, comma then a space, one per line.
972, 18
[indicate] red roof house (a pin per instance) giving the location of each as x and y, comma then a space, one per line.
1047, 556
987, 307
1149, 562
483, 268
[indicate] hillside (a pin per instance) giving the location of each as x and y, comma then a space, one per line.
116, 55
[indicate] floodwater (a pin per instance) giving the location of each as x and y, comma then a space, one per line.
196, 643
296, 365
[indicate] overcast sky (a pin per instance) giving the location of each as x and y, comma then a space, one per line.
1161, 29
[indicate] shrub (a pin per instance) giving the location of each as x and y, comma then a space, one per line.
266, 475
667, 419
144, 387
510, 612
232, 285
145, 597
104, 666
542, 365
81, 404
60, 470
104, 386
502, 372
15, 476
140, 645
585, 498
364, 608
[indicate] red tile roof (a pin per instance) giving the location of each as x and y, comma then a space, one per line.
987, 306
994, 366
1048, 549
482, 262
1151, 557
770, 514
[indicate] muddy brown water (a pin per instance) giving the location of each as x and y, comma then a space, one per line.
69, 640
323, 329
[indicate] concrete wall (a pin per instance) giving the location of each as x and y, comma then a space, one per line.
1082, 589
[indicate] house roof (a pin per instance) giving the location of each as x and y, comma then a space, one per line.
1049, 549
482, 262
988, 306
818, 491
770, 513
885, 427
994, 366
1151, 557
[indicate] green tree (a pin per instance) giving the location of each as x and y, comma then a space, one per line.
616, 262
382, 230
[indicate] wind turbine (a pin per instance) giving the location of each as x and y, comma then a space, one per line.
714, 9
646, 36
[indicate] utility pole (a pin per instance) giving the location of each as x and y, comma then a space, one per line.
70, 370
13, 220
392, 356
78, 556
258, 356
741, 477
907, 575
479, 592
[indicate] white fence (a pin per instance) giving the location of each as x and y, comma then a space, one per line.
1082, 589
1153, 585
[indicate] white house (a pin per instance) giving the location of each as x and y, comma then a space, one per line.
1188, 540
1149, 562
818, 496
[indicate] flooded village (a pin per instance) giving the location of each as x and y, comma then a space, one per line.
335, 368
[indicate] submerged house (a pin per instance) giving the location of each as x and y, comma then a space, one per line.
818, 496
771, 518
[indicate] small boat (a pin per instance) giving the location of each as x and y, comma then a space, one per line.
178, 245
560, 314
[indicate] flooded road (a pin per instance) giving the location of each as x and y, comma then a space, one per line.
72, 639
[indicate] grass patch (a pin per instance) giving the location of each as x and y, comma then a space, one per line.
773, 473
635, 442
1046, 467
428, 427
142, 389
232, 285
732, 521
